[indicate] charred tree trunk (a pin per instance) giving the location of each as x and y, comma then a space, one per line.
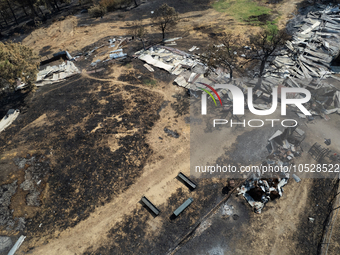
56, 4
41, 11
143, 44
4, 18
30, 4
10, 7
263, 65
23, 8
163, 33
230, 72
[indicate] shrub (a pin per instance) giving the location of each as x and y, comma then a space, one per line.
17, 62
97, 11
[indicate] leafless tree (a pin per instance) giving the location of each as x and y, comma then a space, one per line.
264, 46
224, 54
139, 31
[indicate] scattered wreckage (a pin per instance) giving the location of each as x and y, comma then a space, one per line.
305, 62
8, 119
265, 185
52, 74
259, 191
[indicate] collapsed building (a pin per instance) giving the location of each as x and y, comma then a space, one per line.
264, 186
305, 62
57, 73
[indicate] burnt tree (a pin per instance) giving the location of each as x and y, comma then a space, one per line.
165, 18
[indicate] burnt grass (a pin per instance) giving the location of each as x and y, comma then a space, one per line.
133, 235
310, 235
85, 173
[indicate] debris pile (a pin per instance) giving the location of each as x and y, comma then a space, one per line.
188, 68
52, 74
305, 62
324, 101
258, 191
310, 53
115, 45
6, 219
36, 168
285, 146
264, 186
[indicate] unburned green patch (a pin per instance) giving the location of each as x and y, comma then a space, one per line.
243, 10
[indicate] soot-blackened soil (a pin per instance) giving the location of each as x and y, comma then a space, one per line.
74, 123
138, 232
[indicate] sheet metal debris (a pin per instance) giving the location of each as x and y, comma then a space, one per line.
149, 68
17, 245
52, 74
8, 119
305, 62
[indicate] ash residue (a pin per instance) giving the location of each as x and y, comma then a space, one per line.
6, 217
6, 193
81, 115
36, 170
132, 235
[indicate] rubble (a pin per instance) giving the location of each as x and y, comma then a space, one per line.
188, 68
52, 74
36, 170
6, 193
8, 119
306, 62
227, 210
264, 186
258, 190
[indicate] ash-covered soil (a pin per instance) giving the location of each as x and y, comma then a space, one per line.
137, 232
93, 133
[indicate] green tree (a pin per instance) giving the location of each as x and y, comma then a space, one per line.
165, 18
17, 62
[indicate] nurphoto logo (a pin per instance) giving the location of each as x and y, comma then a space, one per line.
238, 104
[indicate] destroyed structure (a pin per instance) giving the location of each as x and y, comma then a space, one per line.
305, 62
52, 74
262, 186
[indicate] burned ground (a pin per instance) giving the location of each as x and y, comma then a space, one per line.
94, 130
81, 116
136, 235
